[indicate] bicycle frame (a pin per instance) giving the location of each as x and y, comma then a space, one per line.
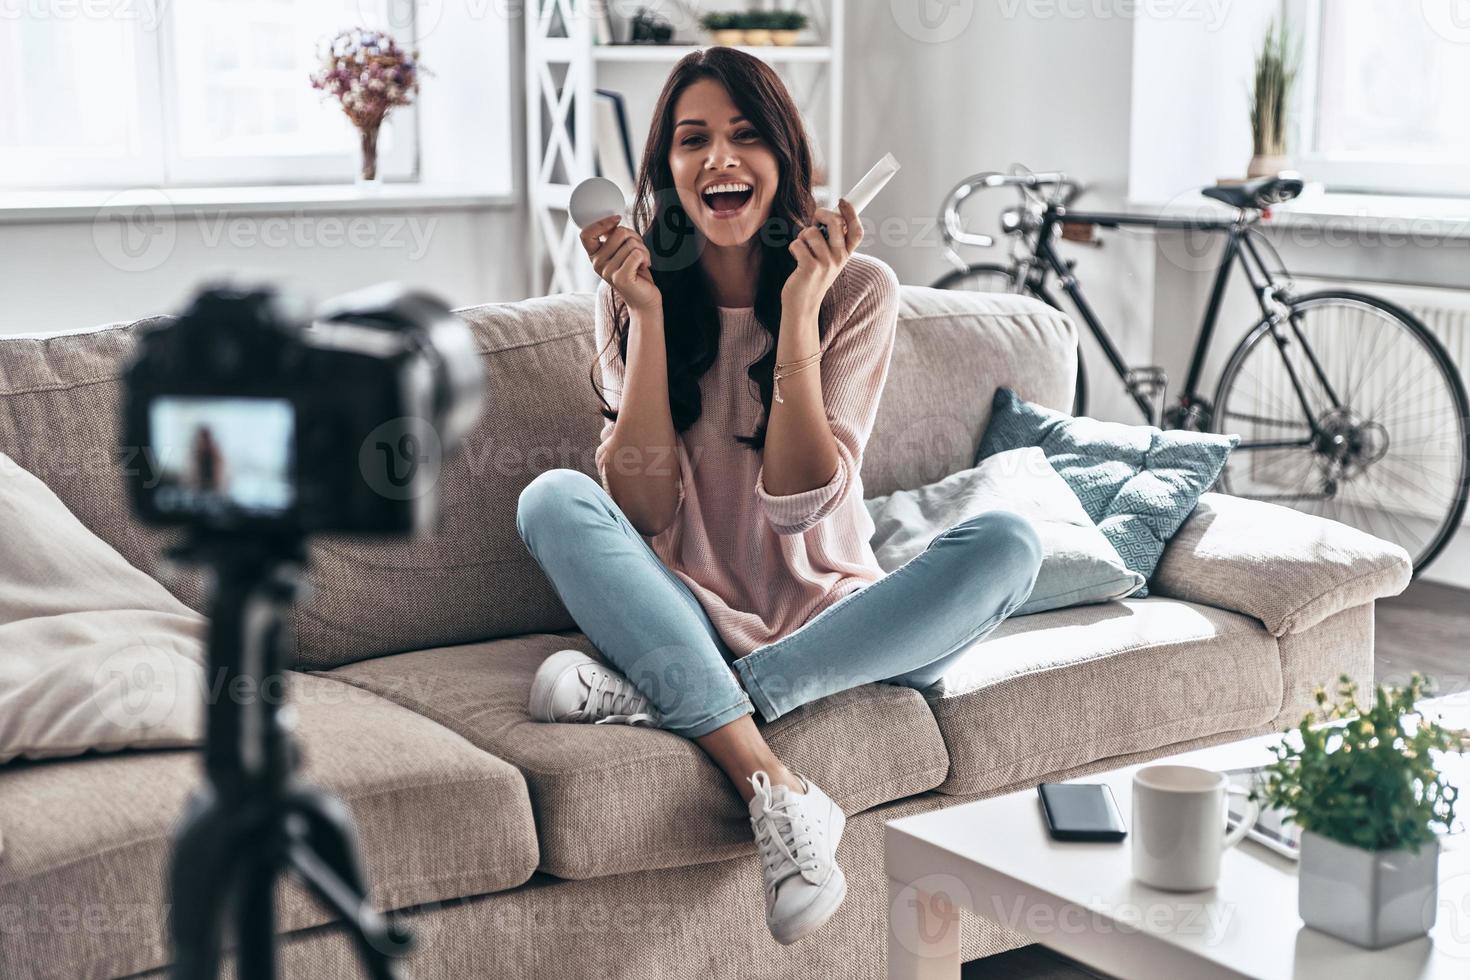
1240, 250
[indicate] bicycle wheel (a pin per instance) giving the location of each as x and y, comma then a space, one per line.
982, 278
992, 278
1390, 454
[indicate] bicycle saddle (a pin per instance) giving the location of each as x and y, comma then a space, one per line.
1259, 193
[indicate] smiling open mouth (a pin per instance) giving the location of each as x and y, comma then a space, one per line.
726, 199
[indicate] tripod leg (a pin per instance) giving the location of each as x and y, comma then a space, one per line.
376, 940
256, 915
202, 860
326, 855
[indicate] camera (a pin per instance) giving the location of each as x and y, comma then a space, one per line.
250, 414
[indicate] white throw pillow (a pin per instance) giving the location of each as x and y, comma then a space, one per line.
1078, 564
94, 654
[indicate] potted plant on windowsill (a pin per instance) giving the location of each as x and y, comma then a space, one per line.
1365, 791
1275, 73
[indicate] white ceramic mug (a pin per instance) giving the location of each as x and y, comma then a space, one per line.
1179, 826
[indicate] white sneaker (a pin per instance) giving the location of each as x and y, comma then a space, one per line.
797, 834
572, 687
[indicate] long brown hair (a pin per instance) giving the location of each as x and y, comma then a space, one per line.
660, 219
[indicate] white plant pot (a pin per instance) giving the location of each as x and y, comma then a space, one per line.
1266, 166
1370, 898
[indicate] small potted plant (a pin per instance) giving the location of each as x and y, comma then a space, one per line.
368, 74
1275, 73
1365, 791
786, 25
724, 27
757, 25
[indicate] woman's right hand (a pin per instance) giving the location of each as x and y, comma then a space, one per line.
623, 262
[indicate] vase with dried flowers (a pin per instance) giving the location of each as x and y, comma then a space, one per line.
368, 74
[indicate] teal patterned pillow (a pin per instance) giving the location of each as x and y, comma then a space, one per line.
1136, 482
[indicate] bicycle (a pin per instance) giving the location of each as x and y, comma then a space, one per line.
1346, 405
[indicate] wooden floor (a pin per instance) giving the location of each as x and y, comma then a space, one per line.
1426, 629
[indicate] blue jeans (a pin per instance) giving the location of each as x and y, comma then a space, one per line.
906, 628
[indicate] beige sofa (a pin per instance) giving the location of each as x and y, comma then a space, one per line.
520, 849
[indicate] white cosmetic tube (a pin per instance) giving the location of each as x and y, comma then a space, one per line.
873, 181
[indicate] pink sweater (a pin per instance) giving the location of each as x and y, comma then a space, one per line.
763, 565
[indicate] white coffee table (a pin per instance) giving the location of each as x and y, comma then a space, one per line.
994, 857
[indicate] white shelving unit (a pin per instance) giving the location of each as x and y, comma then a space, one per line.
564, 68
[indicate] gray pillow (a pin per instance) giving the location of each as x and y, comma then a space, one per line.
1078, 565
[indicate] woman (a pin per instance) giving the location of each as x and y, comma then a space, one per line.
746, 360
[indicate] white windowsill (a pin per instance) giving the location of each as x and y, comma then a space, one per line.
1388, 214
24, 207
1430, 217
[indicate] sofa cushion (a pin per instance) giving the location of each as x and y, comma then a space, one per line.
377, 597
615, 798
1288, 569
952, 350
82, 889
1064, 688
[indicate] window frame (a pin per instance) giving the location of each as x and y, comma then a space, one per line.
1344, 173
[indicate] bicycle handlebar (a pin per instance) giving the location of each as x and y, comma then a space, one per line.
1027, 179
949, 215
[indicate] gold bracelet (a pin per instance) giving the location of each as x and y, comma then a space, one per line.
800, 360
777, 376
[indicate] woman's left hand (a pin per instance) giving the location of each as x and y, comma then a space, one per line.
818, 259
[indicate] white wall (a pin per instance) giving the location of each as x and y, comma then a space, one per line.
60, 276
1190, 118
980, 86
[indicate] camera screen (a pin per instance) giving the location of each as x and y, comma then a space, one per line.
223, 455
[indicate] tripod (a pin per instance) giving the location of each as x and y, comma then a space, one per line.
254, 818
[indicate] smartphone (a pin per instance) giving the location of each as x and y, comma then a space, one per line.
1081, 811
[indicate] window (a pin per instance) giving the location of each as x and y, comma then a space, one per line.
1383, 95
80, 86
127, 92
